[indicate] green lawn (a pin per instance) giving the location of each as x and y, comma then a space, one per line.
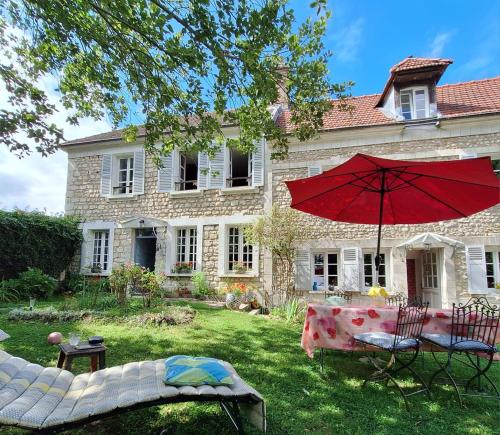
267, 354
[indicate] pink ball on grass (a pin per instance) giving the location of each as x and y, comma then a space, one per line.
55, 338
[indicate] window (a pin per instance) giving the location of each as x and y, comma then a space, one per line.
496, 167
369, 270
326, 271
239, 169
429, 270
240, 254
100, 253
414, 103
125, 176
186, 246
188, 172
492, 259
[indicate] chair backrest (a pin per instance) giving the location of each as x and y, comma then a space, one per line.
401, 299
341, 293
477, 319
410, 322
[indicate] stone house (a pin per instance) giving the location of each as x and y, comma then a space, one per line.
180, 218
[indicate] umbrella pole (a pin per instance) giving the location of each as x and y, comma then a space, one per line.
380, 217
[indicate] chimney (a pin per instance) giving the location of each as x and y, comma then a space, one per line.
281, 86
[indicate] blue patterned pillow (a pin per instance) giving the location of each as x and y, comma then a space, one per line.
188, 370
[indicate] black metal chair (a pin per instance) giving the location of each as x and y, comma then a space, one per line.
473, 333
332, 291
406, 339
402, 299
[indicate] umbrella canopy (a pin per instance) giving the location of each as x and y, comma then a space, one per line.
372, 190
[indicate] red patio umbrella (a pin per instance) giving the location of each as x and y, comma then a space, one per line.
372, 190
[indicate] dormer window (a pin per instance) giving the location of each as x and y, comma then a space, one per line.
414, 103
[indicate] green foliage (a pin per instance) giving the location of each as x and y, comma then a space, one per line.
170, 316
176, 60
33, 239
47, 315
201, 287
32, 283
292, 311
8, 292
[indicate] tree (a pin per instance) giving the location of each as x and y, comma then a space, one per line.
186, 66
280, 232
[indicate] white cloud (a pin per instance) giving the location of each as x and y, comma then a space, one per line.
36, 182
438, 44
347, 41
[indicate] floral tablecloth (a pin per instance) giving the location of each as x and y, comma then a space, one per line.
332, 327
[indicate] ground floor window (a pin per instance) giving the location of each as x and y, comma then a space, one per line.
429, 270
100, 253
240, 254
492, 259
369, 269
325, 271
186, 247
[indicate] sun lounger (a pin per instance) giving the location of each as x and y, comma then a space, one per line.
49, 399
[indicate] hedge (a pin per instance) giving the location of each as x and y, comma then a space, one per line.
35, 240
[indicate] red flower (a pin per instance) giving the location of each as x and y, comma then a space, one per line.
336, 311
332, 333
373, 314
358, 321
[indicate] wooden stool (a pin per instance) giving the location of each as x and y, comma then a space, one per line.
97, 354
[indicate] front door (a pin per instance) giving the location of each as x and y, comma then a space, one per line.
431, 278
145, 248
411, 278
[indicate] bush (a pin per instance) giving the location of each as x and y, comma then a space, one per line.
32, 283
34, 240
171, 316
48, 315
292, 311
200, 284
7, 292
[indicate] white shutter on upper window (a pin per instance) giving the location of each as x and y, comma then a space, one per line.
217, 176
476, 269
351, 259
165, 179
106, 170
303, 270
258, 157
314, 170
139, 172
203, 168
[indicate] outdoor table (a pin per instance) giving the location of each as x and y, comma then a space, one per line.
97, 354
333, 327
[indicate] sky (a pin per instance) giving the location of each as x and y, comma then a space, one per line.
366, 37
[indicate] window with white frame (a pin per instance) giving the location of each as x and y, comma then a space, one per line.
370, 269
429, 270
325, 270
239, 169
100, 252
414, 103
186, 247
240, 254
188, 172
124, 176
496, 167
492, 260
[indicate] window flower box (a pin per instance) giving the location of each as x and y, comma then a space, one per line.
182, 268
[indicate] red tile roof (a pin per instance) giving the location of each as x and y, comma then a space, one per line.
419, 62
461, 99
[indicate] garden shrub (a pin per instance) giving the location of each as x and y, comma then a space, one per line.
170, 316
35, 240
32, 283
201, 286
48, 315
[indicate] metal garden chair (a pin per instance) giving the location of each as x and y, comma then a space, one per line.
406, 339
402, 299
473, 333
332, 291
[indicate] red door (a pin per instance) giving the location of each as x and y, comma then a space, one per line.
411, 279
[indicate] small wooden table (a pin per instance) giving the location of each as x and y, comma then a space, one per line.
97, 354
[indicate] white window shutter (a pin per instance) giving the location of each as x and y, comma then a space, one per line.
217, 176
165, 179
303, 270
203, 168
106, 171
258, 164
87, 251
476, 269
314, 170
139, 172
351, 259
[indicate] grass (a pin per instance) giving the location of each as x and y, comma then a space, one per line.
267, 354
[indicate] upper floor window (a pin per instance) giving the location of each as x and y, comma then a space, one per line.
188, 172
239, 169
240, 254
369, 270
414, 103
100, 253
124, 175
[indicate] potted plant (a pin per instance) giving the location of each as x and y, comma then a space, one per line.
182, 267
239, 268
